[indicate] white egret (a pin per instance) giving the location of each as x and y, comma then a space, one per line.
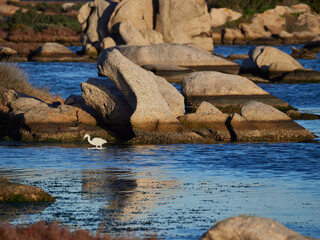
98, 142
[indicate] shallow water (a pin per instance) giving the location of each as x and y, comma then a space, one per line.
175, 191
171, 190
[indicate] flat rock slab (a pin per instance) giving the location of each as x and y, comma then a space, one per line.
182, 55
299, 76
225, 91
16, 192
260, 122
233, 103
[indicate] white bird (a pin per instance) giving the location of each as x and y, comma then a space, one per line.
98, 142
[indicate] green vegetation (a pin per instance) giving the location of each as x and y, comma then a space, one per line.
39, 21
17, 199
46, 7
250, 7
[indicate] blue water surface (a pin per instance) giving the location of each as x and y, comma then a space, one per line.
174, 191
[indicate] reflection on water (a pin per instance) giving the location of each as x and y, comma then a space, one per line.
172, 190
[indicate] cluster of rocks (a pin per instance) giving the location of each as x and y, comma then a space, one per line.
107, 23
283, 24
135, 105
272, 64
110, 23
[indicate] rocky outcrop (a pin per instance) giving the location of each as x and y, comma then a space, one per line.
282, 24
273, 64
145, 22
260, 122
140, 14
220, 16
179, 21
54, 52
29, 119
16, 193
152, 114
245, 227
130, 35
225, 91
104, 96
94, 17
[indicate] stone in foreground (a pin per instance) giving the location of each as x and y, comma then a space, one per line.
16, 192
245, 227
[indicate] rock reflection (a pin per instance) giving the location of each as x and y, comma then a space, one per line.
10, 211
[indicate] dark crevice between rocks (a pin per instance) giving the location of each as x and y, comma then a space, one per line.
155, 12
233, 136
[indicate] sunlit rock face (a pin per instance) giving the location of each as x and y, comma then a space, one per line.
145, 22
251, 227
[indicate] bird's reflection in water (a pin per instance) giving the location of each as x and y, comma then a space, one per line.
127, 195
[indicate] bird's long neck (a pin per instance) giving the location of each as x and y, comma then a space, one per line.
89, 140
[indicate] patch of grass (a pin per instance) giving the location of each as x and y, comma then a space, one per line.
17, 199
49, 7
291, 23
12, 77
250, 7
32, 18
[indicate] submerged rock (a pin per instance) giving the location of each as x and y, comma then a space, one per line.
15, 192
245, 227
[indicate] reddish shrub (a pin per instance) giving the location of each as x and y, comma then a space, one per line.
22, 48
51, 34
3, 34
53, 231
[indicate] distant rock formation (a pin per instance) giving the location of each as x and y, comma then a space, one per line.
145, 22
275, 65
